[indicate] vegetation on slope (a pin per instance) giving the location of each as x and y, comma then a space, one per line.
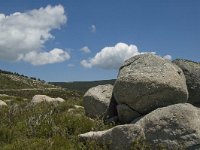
9, 80
65, 94
45, 125
82, 86
49, 126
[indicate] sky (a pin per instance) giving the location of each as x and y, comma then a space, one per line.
76, 40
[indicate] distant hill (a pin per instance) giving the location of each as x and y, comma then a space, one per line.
82, 86
21, 85
10, 80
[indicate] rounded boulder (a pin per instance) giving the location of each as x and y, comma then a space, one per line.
146, 82
2, 103
191, 71
97, 99
44, 98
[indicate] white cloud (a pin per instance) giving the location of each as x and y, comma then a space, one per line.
86, 64
93, 28
24, 34
111, 57
42, 58
85, 49
169, 57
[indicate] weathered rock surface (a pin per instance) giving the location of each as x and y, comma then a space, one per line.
97, 99
191, 71
126, 114
43, 98
2, 103
173, 127
118, 138
146, 82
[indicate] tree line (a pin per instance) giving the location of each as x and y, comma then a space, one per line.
21, 75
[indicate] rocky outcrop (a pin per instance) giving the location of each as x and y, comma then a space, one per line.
43, 98
117, 138
191, 71
96, 101
2, 103
146, 82
172, 127
151, 93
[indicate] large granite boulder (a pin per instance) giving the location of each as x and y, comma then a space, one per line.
191, 71
172, 127
96, 101
146, 82
43, 98
175, 126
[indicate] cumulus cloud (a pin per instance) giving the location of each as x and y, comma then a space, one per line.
169, 57
42, 58
24, 34
93, 28
111, 57
86, 64
85, 49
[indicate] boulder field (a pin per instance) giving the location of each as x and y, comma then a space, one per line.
150, 99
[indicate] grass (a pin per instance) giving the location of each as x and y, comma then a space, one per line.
49, 126
28, 94
12, 81
45, 125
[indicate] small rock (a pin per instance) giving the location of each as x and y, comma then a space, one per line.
2, 103
43, 98
70, 110
78, 107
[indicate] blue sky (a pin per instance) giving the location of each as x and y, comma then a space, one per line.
87, 40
